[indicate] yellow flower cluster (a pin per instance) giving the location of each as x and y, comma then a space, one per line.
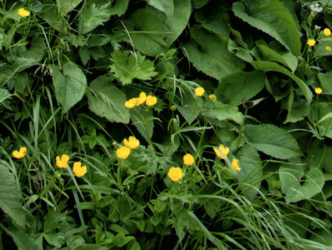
149, 100
78, 170
224, 152
326, 32
20, 154
124, 151
200, 92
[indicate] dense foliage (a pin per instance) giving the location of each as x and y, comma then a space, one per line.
165, 124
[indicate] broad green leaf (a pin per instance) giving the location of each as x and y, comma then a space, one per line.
4, 94
272, 141
53, 239
165, 6
65, 6
325, 80
224, 113
10, 197
120, 7
37, 49
322, 113
128, 66
93, 16
273, 18
297, 109
250, 175
69, 85
210, 54
108, 101
214, 18
147, 32
290, 177
86, 247
233, 88
175, 24
271, 66
20, 64
197, 4
324, 48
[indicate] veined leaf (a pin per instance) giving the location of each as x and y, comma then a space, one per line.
108, 101
273, 18
271, 66
65, 6
69, 86
127, 66
297, 108
272, 140
224, 113
325, 80
213, 57
165, 6
10, 197
120, 7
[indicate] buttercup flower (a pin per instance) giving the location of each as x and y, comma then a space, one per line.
188, 159
78, 170
63, 162
328, 48
175, 174
327, 32
318, 91
20, 154
213, 97
223, 150
23, 13
141, 99
311, 42
131, 103
123, 152
235, 165
150, 100
131, 143
199, 91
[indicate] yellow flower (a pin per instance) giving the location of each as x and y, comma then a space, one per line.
223, 150
199, 91
235, 165
131, 143
63, 163
327, 32
131, 103
141, 99
175, 174
188, 159
151, 100
78, 170
23, 13
328, 48
213, 97
318, 91
123, 152
20, 154
311, 42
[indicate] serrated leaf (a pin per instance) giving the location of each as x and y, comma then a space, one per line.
65, 6
273, 18
69, 86
165, 6
147, 32
290, 177
120, 7
4, 94
251, 173
325, 80
10, 197
92, 16
272, 141
297, 109
225, 113
271, 66
108, 101
128, 66
236, 86
213, 57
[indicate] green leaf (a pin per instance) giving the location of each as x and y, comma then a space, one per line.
321, 48
120, 7
10, 197
212, 57
108, 101
65, 6
251, 173
37, 49
128, 66
290, 177
146, 130
273, 18
323, 116
297, 109
4, 94
197, 4
92, 16
86, 247
236, 86
69, 86
272, 141
224, 113
271, 66
325, 80
164, 6
147, 32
